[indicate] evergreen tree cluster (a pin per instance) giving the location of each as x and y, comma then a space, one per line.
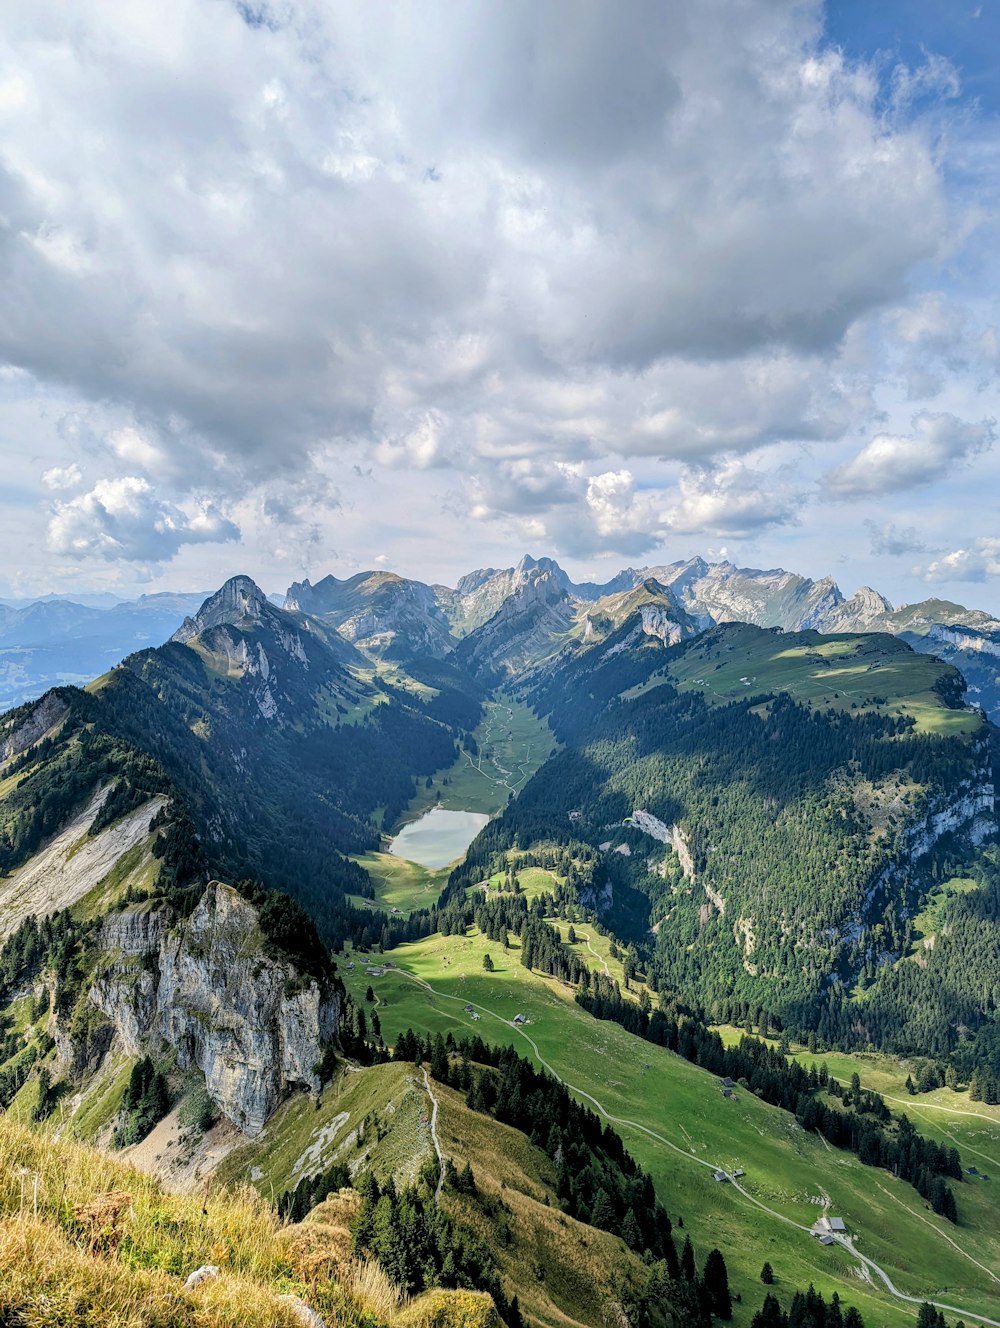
146, 1101
419, 1246
808, 1310
312, 1190
543, 949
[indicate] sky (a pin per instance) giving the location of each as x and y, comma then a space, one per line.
291, 288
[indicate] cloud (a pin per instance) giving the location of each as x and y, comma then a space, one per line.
582, 514
893, 540
610, 511
480, 231
975, 563
938, 444
122, 519
62, 477
732, 501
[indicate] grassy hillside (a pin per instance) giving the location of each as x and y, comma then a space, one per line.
88, 1241
789, 774
681, 1128
872, 672
562, 1271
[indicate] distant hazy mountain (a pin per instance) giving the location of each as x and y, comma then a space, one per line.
56, 640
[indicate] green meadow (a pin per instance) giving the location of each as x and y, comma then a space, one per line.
790, 1176
512, 744
843, 672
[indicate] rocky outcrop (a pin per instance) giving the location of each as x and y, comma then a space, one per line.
667, 834
205, 987
72, 862
50, 710
480, 595
970, 811
529, 627
239, 603
964, 638
280, 656
860, 613
379, 612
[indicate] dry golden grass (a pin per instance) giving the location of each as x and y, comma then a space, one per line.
368, 1282
46, 1279
450, 1309
88, 1242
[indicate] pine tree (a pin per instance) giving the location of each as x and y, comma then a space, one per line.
715, 1280
687, 1260
767, 1275
769, 1315
439, 1060
603, 1213
631, 1232
487, 963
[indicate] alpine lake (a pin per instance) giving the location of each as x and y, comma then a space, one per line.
438, 837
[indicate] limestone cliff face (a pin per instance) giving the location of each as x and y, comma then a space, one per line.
205, 987
528, 627
969, 810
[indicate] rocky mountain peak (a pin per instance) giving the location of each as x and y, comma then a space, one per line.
239, 603
529, 569
865, 609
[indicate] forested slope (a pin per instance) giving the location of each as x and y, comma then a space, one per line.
770, 853
277, 751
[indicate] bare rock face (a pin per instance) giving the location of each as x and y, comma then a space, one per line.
239, 603
17, 737
206, 988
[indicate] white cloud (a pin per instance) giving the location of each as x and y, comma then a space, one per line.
939, 443
978, 561
732, 501
511, 256
123, 519
62, 477
135, 448
283, 236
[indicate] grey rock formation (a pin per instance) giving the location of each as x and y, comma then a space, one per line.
19, 736
379, 612
239, 603
205, 987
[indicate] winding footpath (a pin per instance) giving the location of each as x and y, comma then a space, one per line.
434, 1133
869, 1264
582, 936
495, 721
918, 1107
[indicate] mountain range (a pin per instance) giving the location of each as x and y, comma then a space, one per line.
719, 799
385, 615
